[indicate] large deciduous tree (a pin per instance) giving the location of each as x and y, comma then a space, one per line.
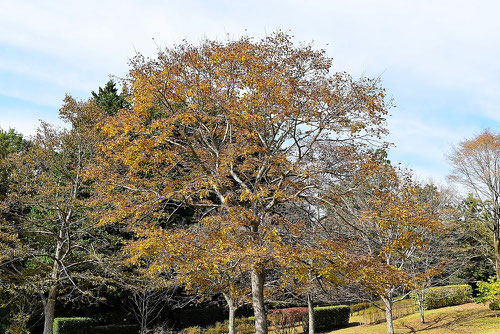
231, 128
476, 165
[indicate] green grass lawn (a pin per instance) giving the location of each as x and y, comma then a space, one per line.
468, 318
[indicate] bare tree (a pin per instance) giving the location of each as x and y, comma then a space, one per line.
441, 254
476, 165
386, 221
147, 301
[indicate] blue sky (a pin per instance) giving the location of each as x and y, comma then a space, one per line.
438, 60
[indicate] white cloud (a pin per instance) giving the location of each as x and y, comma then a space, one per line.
423, 143
25, 120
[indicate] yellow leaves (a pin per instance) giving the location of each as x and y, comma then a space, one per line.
207, 258
217, 129
259, 196
356, 127
485, 140
246, 195
186, 118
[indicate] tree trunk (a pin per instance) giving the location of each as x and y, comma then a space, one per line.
143, 299
496, 245
258, 301
421, 304
49, 310
232, 311
310, 314
388, 314
50, 306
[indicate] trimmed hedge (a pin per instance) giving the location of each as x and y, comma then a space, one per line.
73, 325
116, 329
448, 295
87, 326
330, 317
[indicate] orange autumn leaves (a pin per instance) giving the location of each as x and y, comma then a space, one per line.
219, 139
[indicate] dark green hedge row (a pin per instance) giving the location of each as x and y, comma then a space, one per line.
448, 295
87, 326
73, 325
207, 316
330, 317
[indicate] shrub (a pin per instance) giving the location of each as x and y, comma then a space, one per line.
192, 330
18, 323
245, 325
489, 292
285, 318
116, 329
443, 296
241, 326
494, 305
329, 317
72, 326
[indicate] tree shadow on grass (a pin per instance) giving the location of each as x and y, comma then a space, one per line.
353, 324
433, 324
443, 322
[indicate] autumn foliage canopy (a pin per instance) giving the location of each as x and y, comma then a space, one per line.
231, 132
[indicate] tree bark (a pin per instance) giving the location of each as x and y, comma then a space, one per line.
388, 314
258, 301
143, 311
310, 314
232, 311
421, 304
496, 245
49, 310
50, 306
